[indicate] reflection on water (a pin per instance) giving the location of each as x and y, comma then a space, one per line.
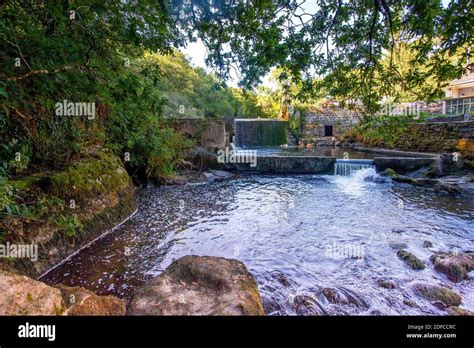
293, 233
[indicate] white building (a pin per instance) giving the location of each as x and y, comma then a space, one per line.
460, 95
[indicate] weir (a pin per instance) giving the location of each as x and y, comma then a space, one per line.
254, 132
345, 167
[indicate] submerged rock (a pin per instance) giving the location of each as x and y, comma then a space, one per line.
200, 285
387, 284
343, 296
410, 259
459, 311
438, 294
410, 303
390, 172
427, 244
217, 175
456, 266
397, 246
221, 174
80, 301
306, 304
21, 295
281, 278
453, 185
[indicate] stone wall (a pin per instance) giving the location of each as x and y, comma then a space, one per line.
441, 137
436, 136
340, 119
209, 133
288, 164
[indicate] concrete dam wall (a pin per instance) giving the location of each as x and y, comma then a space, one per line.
260, 132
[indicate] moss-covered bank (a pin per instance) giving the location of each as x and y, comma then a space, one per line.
62, 211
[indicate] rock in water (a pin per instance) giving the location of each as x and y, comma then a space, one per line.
410, 259
459, 311
387, 284
21, 295
80, 301
427, 244
455, 266
199, 285
438, 293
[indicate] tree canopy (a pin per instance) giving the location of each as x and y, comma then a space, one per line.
342, 41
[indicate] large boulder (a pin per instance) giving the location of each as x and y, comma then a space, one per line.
460, 312
80, 301
200, 285
456, 266
21, 295
438, 294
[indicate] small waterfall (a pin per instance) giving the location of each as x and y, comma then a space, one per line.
345, 167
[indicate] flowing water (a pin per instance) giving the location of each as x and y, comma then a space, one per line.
317, 244
347, 167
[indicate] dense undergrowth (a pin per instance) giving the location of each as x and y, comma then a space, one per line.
123, 85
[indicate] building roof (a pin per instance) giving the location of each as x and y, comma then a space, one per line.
465, 81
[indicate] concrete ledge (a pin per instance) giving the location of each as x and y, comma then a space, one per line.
288, 164
402, 164
396, 153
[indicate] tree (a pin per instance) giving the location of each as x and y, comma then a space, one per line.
341, 42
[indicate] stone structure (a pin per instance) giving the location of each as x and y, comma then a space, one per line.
260, 132
435, 136
209, 133
463, 87
288, 164
328, 120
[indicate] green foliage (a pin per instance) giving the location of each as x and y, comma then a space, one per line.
15, 209
296, 124
337, 46
16, 156
248, 104
69, 225
383, 130
189, 92
81, 59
